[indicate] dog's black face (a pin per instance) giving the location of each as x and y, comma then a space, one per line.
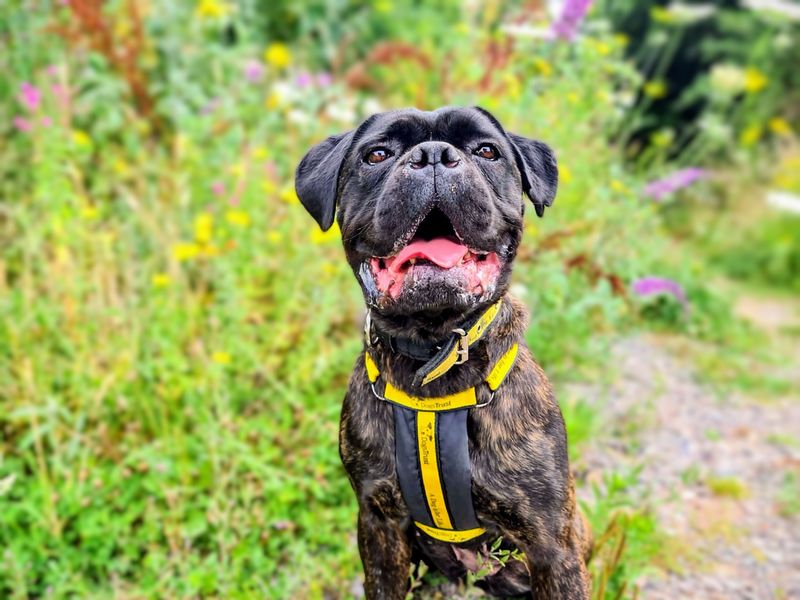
430, 205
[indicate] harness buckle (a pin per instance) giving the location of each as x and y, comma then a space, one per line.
463, 346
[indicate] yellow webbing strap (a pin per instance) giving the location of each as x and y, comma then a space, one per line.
450, 535
429, 468
502, 367
473, 335
463, 399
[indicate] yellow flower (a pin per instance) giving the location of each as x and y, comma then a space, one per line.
278, 55
274, 100
754, 80
662, 138
237, 217
780, 126
274, 236
462, 27
183, 251
289, 196
203, 227
573, 97
655, 89
81, 138
160, 280
564, 174
212, 9
268, 186
89, 212
513, 86
323, 237
260, 152
237, 169
618, 186
750, 135
221, 358
601, 47
659, 14
121, 167
621, 39
209, 250
543, 67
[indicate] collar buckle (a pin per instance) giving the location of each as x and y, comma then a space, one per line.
463, 346
368, 339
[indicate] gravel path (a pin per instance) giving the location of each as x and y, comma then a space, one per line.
692, 444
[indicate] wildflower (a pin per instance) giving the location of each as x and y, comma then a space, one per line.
618, 186
212, 9
254, 70
324, 79
300, 117
564, 174
566, 25
621, 39
274, 236
160, 280
655, 89
654, 286
221, 358
237, 169
662, 138
183, 251
754, 81
543, 67
89, 212
659, 14
750, 135
30, 96
780, 126
81, 138
46, 121
260, 152
218, 188
268, 186
727, 78
661, 188
22, 124
278, 55
289, 195
323, 237
304, 80
203, 228
239, 218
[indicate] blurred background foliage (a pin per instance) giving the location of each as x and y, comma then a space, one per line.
175, 334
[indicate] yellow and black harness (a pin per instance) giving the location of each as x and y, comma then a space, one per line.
431, 442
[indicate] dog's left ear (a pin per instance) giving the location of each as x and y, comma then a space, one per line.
316, 180
539, 169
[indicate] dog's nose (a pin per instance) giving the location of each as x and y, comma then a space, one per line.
430, 153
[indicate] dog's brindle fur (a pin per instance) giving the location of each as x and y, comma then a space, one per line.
521, 483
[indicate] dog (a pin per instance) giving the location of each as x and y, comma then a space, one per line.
450, 433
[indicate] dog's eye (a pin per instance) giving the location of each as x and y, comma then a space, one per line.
487, 151
377, 155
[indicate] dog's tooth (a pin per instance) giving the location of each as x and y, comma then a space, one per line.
412, 261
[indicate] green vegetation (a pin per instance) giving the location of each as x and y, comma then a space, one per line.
175, 336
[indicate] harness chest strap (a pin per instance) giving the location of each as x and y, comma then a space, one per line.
432, 454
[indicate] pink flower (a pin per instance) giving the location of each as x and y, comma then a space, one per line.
29, 96
254, 70
572, 14
218, 188
304, 79
324, 79
653, 286
22, 124
46, 121
660, 188
52, 70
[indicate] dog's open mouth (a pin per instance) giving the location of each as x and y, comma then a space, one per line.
435, 252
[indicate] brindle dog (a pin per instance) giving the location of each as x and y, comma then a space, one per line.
454, 174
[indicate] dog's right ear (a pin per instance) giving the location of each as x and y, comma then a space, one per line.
316, 180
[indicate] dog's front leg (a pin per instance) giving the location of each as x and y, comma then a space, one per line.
385, 548
561, 578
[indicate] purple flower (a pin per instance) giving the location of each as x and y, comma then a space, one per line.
254, 70
22, 124
653, 286
572, 14
324, 79
660, 188
30, 96
304, 80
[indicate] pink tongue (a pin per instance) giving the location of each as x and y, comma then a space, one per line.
441, 251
